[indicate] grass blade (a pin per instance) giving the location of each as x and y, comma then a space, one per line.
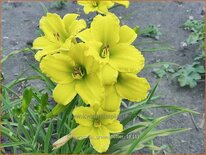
145, 132
48, 138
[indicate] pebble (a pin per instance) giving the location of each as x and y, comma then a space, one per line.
183, 44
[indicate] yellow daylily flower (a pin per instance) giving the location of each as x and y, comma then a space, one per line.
100, 6
122, 2
59, 33
112, 45
94, 123
74, 73
129, 86
112, 100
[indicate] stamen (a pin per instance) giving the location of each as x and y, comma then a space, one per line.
57, 36
94, 3
97, 123
105, 52
78, 72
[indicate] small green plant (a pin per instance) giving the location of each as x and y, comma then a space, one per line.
163, 70
197, 30
188, 75
60, 4
151, 31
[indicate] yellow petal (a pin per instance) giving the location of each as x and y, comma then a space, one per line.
112, 99
89, 8
85, 35
125, 3
81, 132
58, 67
84, 115
127, 35
115, 127
69, 19
41, 53
76, 27
102, 8
91, 65
107, 117
83, 2
109, 4
44, 43
126, 58
100, 139
52, 25
66, 46
94, 49
63, 94
79, 53
47, 47
90, 89
131, 87
108, 75
105, 29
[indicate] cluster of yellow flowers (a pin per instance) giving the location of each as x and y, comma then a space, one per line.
97, 63
100, 6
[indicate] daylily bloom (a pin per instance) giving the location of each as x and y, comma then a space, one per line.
111, 46
100, 6
122, 2
59, 33
128, 86
74, 73
112, 100
94, 123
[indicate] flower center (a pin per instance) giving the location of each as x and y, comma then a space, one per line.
57, 36
94, 3
97, 123
78, 72
105, 52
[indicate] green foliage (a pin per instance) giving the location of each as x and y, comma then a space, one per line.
39, 32
35, 135
14, 53
151, 31
186, 75
60, 4
27, 96
163, 70
197, 28
189, 74
136, 29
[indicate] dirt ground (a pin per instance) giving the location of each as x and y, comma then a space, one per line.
20, 22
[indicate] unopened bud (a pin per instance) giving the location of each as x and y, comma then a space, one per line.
60, 142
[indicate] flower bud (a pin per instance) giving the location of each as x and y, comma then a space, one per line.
60, 142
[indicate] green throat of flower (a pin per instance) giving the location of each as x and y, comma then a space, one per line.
78, 72
97, 123
94, 3
105, 52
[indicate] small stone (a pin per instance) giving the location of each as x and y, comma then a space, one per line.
183, 44
5, 37
191, 17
